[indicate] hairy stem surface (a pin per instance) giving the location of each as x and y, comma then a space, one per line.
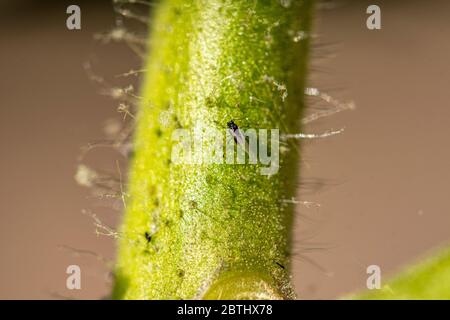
216, 230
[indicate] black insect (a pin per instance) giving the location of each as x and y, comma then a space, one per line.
236, 133
280, 265
148, 236
232, 126
239, 138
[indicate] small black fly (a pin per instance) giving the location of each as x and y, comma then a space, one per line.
239, 138
232, 126
236, 133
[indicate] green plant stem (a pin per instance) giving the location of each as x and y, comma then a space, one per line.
214, 231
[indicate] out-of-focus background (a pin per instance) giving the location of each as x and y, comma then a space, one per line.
381, 185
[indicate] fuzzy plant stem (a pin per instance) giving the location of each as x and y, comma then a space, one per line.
214, 230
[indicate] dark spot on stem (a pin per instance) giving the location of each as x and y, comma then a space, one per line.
158, 132
167, 222
193, 204
209, 179
148, 236
209, 102
177, 11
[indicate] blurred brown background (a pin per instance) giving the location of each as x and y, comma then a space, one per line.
382, 184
